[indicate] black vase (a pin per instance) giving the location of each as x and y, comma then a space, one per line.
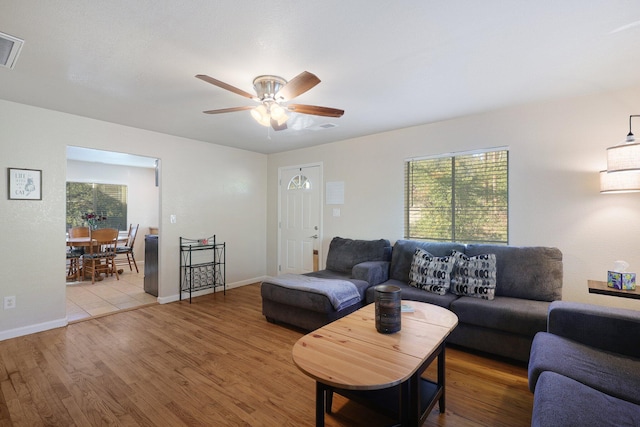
388, 308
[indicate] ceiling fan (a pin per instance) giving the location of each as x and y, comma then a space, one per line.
272, 92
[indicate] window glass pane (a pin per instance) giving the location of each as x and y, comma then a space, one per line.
109, 200
299, 182
429, 193
481, 197
461, 198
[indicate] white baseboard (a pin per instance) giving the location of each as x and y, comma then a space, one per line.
32, 329
185, 295
40, 327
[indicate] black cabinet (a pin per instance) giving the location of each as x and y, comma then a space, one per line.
151, 264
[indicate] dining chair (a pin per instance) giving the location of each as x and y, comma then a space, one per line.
128, 248
79, 232
103, 247
73, 264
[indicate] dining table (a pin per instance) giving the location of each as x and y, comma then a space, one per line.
80, 241
87, 242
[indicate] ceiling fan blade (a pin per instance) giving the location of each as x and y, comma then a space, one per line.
298, 85
228, 110
224, 85
275, 126
315, 110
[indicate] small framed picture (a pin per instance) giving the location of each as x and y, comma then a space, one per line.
25, 184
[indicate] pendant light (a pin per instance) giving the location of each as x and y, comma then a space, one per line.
623, 166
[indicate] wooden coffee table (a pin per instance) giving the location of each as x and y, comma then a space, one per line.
350, 357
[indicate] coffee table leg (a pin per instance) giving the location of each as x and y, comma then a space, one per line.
408, 401
320, 404
441, 377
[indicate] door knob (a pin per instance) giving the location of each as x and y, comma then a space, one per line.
315, 236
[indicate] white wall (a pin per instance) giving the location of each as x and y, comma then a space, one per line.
555, 152
556, 149
142, 194
210, 188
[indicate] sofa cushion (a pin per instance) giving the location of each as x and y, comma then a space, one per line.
309, 300
597, 326
525, 272
414, 294
403, 250
345, 253
372, 272
474, 276
561, 401
429, 273
361, 285
611, 373
519, 316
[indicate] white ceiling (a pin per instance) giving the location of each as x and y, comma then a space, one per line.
388, 64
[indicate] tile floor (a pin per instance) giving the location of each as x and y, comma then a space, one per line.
86, 300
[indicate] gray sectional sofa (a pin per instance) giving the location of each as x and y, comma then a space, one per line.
585, 369
527, 280
361, 262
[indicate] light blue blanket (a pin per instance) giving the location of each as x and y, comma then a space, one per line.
337, 291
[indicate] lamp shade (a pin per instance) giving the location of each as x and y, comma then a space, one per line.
623, 157
622, 181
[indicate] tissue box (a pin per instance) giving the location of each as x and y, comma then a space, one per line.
623, 281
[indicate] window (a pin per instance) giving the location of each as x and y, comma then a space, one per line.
299, 182
109, 200
462, 197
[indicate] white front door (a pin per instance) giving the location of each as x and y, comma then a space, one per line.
300, 193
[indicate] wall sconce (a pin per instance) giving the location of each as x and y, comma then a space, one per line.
623, 166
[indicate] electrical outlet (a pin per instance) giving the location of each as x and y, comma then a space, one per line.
9, 302
172, 219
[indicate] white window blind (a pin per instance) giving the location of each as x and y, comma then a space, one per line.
462, 198
109, 200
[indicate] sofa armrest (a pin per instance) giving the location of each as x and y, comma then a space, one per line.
373, 272
615, 330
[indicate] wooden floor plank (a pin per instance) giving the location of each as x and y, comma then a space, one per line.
213, 362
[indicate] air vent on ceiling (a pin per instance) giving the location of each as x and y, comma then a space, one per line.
322, 126
9, 50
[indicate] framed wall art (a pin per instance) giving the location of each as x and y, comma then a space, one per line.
25, 184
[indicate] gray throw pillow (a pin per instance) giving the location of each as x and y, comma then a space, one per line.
430, 273
474, 276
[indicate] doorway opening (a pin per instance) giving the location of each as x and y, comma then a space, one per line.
139, 175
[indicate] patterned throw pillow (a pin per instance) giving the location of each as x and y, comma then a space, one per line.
430, 273
474, 276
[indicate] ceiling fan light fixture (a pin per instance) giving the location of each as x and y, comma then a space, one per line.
267, 87
282, 120
278, 112
271, 92
261, 115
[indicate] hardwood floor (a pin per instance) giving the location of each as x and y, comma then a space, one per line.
216, 362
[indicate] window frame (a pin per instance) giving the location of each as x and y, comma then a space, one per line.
454, 202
